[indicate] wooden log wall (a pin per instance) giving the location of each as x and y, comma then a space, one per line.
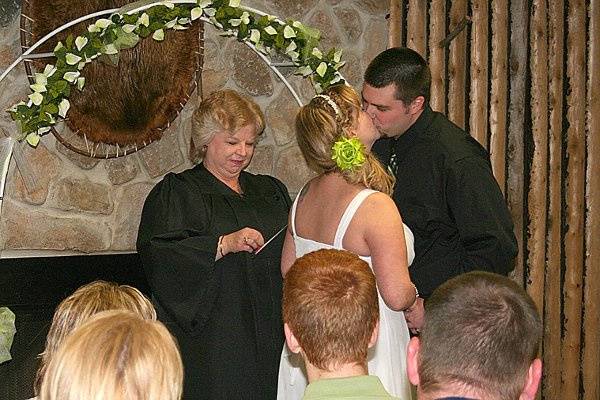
523, 77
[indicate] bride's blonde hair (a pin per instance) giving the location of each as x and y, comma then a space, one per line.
319, 124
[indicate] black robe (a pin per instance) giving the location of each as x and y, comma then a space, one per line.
226, 315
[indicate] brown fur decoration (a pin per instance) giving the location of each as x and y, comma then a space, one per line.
131, 103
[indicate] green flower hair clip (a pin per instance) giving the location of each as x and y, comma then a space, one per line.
348, 153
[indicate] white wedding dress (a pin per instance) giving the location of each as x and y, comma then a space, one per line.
387, 359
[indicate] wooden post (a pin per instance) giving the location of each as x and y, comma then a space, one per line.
417, 26
457, 66
498, 100
536, 202
576, 45
591, 317
519, 23
437, 55
552, 307
395, 24
478, 114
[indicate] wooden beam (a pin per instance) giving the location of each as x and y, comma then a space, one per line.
591, 317
416, 36
575, 181
478, 115
536, 201
395, 24
457, 66
519, 23
552, 307
499, 92
437, 55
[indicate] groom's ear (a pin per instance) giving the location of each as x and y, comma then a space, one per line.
412, 360
291, 340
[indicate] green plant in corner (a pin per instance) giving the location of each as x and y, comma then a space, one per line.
103, 40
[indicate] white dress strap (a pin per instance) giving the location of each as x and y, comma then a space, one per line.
293, 212
348, 215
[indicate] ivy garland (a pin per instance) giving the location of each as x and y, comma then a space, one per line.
106, 37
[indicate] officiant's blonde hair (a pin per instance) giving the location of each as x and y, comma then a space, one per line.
319, 126
223, 110
84, 303
115, 355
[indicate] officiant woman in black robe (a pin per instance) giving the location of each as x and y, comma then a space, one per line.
199, 238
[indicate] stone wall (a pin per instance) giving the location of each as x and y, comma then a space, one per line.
79, 204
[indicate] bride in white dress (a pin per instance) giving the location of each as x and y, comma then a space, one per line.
348, 207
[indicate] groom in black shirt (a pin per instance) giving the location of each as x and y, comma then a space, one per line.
445, 189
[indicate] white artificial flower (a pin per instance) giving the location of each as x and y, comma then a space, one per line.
81, 65
144, 19
80, 42
210, 12
321, 69
168, 4
297, 24
289, 32
38, 88
36, 98
183, 21
196, 13
40, 79
291, 47
80, 82
72, 59
58, 46
270, 30
128, 28
245, 17
93, 28
337, 56
63, 107
103, 23
254, 35
49, 70
171, 24
158, 35
33, 139
71, 76
234, 3
235, 22
43, 130
294, 55
317, 53
204, 3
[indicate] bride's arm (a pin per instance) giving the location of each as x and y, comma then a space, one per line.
383, 232
288, 254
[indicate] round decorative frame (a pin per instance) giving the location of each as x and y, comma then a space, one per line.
263, 33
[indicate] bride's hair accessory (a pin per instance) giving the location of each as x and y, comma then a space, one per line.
331, 103
348, 153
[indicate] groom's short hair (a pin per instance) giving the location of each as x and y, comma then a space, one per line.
482, 331
330, 304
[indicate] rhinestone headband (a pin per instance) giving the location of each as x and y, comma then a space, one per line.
331, 103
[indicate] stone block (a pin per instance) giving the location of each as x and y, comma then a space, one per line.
213, 80
280, 117
9, 10
251, 73
352, 71
293, 9
127, 215
30, 182
162, 156
292, 170
82, 195
375, 7
349, 20
83, 162
262, 161
330, 37
26, 229
121, 170
375, 38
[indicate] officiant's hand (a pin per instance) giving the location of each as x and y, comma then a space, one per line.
246, 239
415, 316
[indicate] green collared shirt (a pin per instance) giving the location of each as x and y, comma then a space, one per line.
366, 387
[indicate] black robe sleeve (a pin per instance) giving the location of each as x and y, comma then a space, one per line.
178, 251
